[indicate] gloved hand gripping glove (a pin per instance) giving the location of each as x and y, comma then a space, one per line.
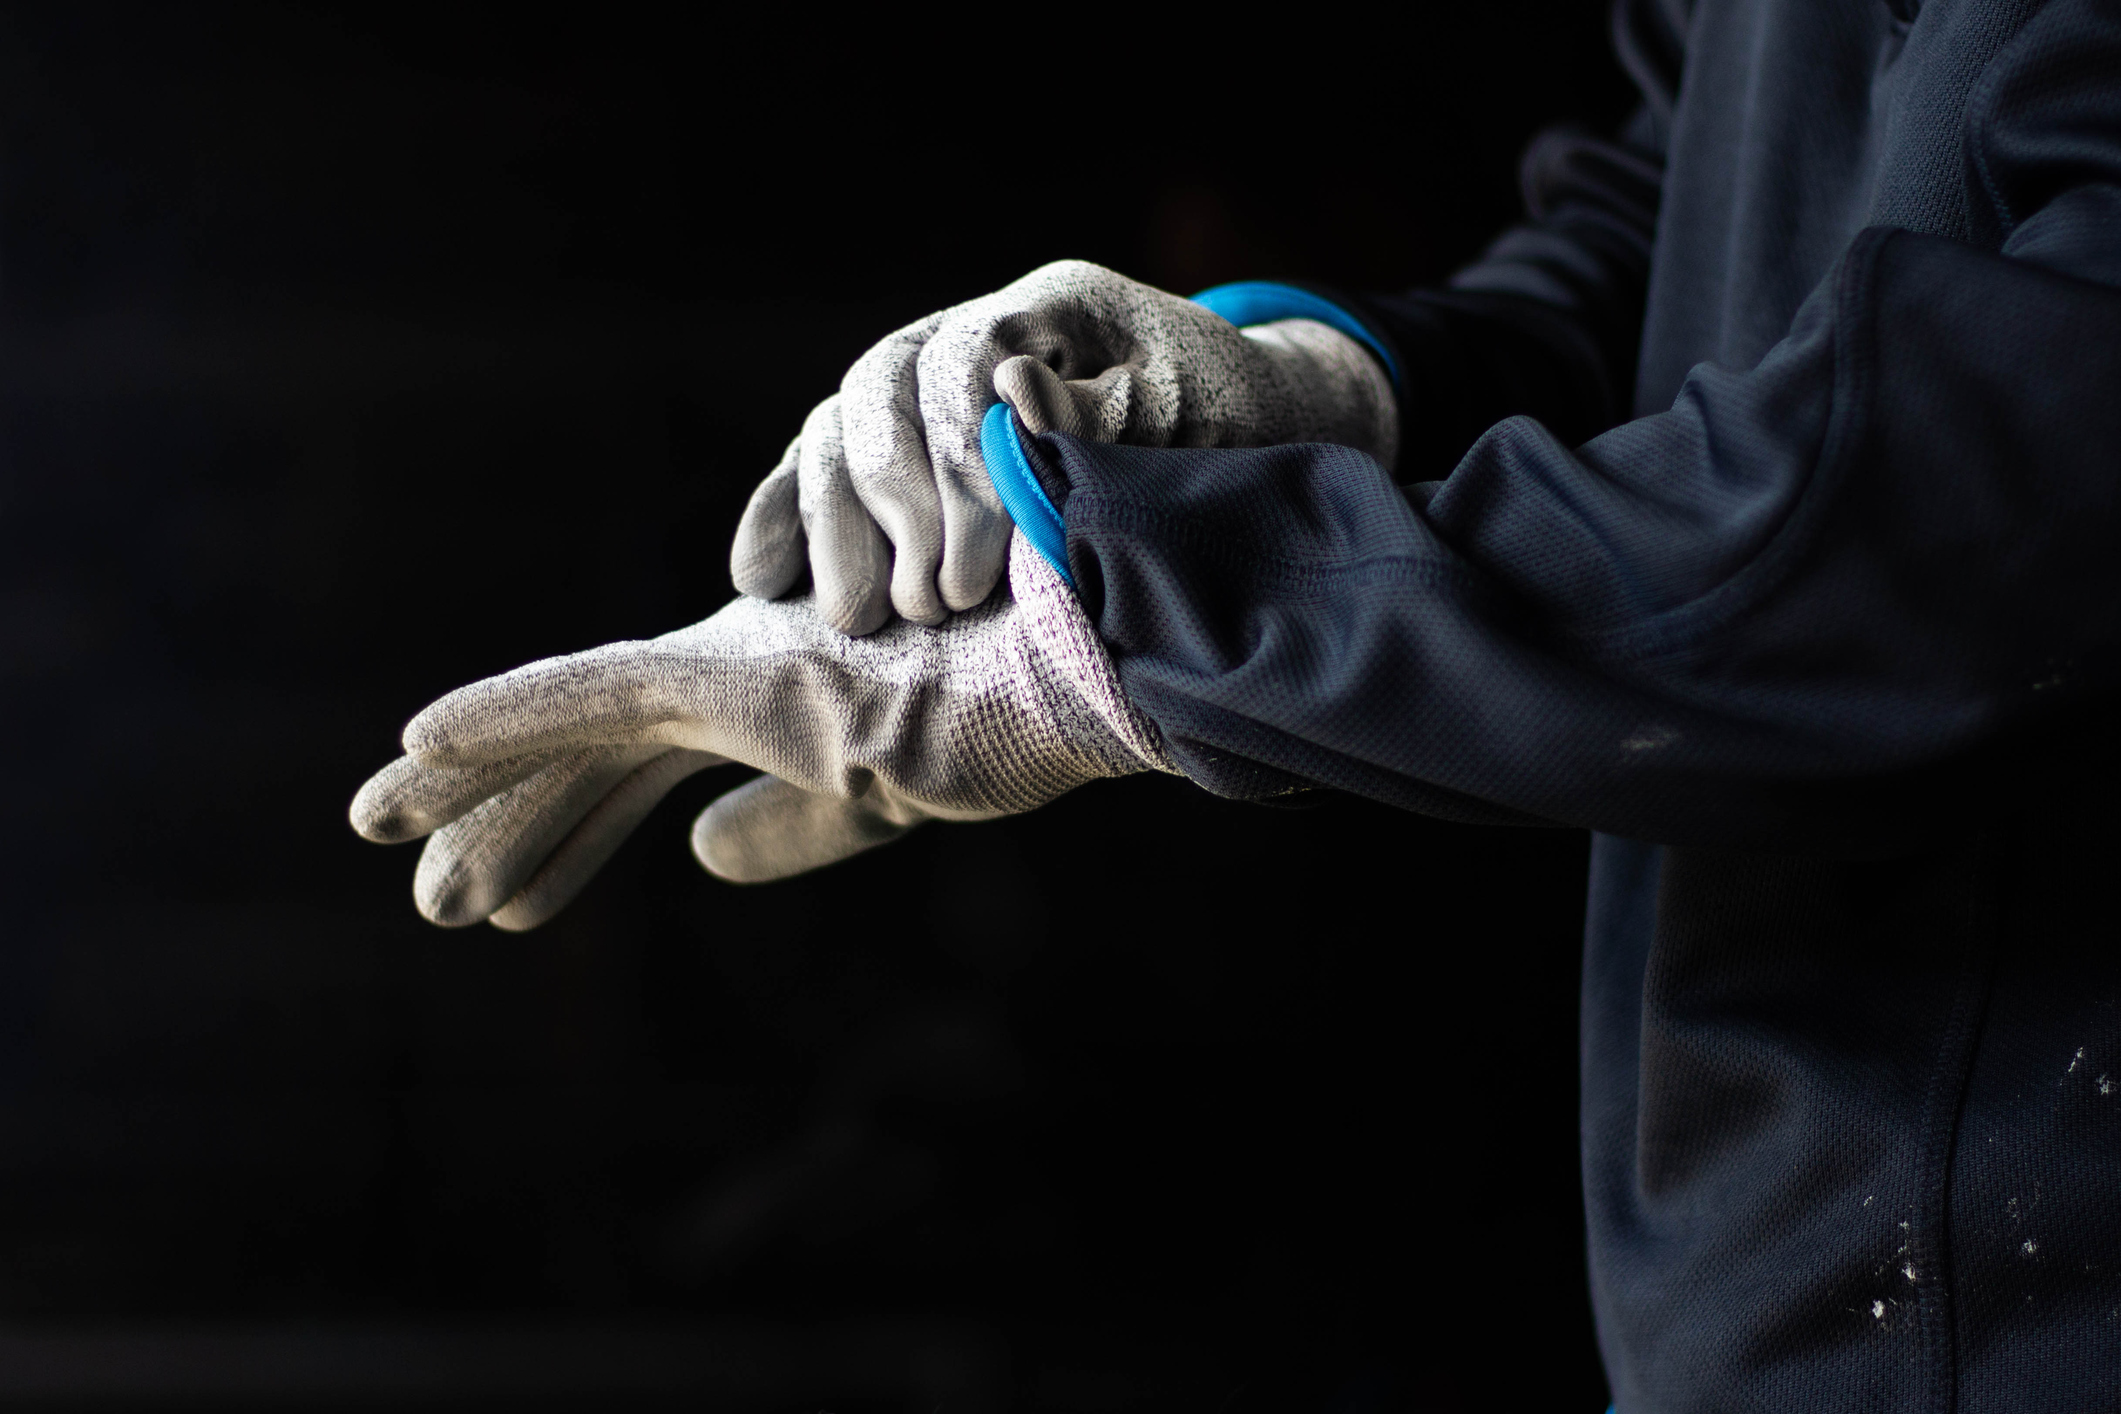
885, 493
530, 780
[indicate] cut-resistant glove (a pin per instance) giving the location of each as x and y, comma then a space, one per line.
884, 497
527, 782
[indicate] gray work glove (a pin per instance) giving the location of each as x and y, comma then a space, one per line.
529, 781
885, 489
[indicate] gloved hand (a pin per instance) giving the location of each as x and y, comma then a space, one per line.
885, 490
529, 781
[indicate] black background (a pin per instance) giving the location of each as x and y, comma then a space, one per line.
349, 355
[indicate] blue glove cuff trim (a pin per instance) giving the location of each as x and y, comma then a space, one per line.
1246, 302
1264, 301
1022, 496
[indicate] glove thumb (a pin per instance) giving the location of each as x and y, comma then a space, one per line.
768, 829
1040, 397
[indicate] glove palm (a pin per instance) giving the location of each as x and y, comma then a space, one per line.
528, 781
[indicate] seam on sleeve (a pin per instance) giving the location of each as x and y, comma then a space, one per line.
1286, 573
1681, 627
1979, 122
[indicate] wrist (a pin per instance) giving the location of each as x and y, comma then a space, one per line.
1346, 387
1343, 387
1251, 302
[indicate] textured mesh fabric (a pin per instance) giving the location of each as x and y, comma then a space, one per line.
1924, 161
1771, 132
1849, 1128
1844, 632
1835, 618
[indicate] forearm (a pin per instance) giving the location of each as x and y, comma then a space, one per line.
1750, 620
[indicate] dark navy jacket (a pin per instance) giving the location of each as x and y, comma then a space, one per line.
1823, 642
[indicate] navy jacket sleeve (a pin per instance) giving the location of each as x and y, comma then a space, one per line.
1546, 323
1752, 620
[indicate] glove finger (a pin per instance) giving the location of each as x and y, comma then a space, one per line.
886, 447
477, 863
592, 843
767, 829
408, 799
975, 536
766, 558
556, 706
914, 526
850, 561
975, 527
619, 693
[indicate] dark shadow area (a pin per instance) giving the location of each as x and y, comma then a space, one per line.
350, 355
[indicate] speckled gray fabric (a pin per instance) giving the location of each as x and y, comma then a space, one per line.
885, 491
528, 781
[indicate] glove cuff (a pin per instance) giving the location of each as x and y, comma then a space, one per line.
1249, 302
1038, 520
1075, 671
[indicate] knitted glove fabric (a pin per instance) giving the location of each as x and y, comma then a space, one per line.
884, 493
527, 782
